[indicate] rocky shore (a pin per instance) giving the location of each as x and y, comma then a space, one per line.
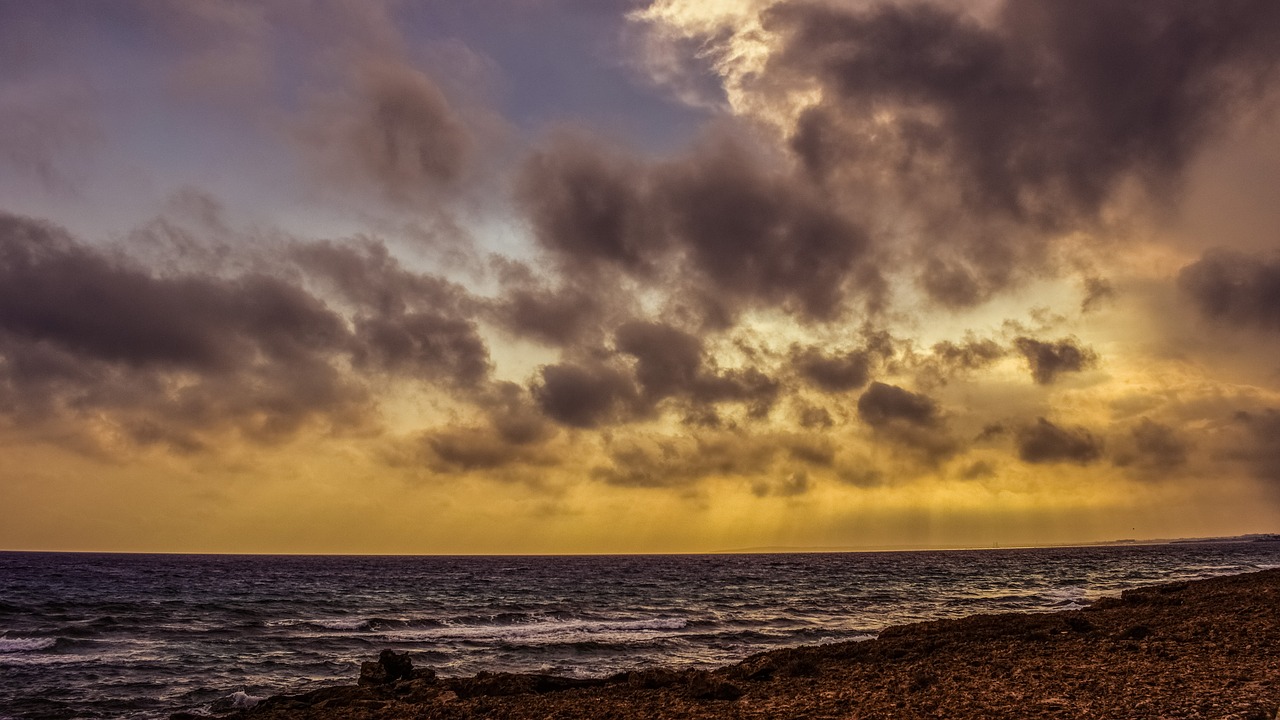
1205, 649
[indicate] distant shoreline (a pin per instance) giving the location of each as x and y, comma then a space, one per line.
762, 550
1204, 648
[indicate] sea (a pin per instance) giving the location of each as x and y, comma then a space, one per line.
143, 636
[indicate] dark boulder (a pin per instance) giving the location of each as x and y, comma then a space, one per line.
390, 667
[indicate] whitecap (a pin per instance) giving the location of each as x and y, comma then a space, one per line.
16, 645
548, 631
242, 700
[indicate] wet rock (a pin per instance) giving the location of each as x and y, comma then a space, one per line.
390, 667
398, 665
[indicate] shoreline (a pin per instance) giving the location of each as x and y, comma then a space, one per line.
1204, 648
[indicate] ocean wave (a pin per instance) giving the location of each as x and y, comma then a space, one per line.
542, 632
22, 644
241, 700
353, 624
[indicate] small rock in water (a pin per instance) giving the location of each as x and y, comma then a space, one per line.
390, 667
398, 665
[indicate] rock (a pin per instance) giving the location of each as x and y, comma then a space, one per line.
703, 685
372, 673
398, 665
1077, 622
390, 667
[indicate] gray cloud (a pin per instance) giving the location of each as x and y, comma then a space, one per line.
1000, 135
165, 358
911, 420
425, 345
559, 318
1045, 442
970, 355
883, 404
392, 128
585, 395
1046, 110
590, 205
728, 232
668, 360
832, 373
1242, 290
1097, 291
1152, 448
1048, 360
1261, 444
761, 238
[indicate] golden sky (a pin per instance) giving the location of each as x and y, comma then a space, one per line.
543, 276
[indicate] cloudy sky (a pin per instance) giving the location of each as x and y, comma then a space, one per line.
683, 275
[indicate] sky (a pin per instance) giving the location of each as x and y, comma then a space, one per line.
576, 276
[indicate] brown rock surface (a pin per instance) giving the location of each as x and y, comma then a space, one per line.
1207, 649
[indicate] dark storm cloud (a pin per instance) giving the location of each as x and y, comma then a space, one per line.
684, 461
1045, 442
83, 333
1046, 110
1152, 447
590, 205
832, 373
911, 420
969, 355
365, 275
732, 233
514, 435
404, 322
1000, 135
585, 395
813, 416
424, 345
513, 415
753, 388
55, 290
1048, 360
760, 237
884, 404
1238, 289
558, 318
668, 360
